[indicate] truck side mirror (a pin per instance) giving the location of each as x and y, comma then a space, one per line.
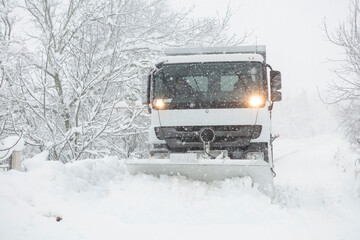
275, 80
276, 96
275, 83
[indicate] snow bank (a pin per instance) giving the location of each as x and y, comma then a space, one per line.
97, 199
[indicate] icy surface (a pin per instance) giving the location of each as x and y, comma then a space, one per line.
96, 199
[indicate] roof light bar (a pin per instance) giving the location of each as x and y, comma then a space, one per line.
259, 49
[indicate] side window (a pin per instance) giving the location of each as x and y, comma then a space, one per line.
227, 82
198, 83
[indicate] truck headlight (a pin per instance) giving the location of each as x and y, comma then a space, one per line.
256, 101
159, 103
255, 155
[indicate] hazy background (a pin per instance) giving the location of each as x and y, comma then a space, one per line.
294, 35
291, 30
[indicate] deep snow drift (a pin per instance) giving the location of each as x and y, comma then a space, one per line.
315, 198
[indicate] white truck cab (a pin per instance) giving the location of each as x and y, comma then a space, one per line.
222, 90
211, 103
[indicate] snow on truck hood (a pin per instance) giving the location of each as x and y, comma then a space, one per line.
212, 58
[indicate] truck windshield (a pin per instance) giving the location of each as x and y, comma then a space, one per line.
208, 85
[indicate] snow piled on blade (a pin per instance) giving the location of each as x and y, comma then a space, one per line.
98, 199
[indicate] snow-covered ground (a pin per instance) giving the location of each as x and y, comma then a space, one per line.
315, 198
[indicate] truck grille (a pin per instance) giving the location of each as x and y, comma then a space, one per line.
225, 136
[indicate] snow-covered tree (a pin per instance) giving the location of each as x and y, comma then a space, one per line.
9, 59
79, 87
345, 90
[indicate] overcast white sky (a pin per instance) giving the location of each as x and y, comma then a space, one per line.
292, 31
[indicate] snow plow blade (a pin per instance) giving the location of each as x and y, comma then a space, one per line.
207, 170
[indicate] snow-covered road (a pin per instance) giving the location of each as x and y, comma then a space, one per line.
315, 198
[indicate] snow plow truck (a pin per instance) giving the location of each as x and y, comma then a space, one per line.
211, 115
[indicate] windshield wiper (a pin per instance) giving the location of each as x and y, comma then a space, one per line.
197, 90
242, 82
